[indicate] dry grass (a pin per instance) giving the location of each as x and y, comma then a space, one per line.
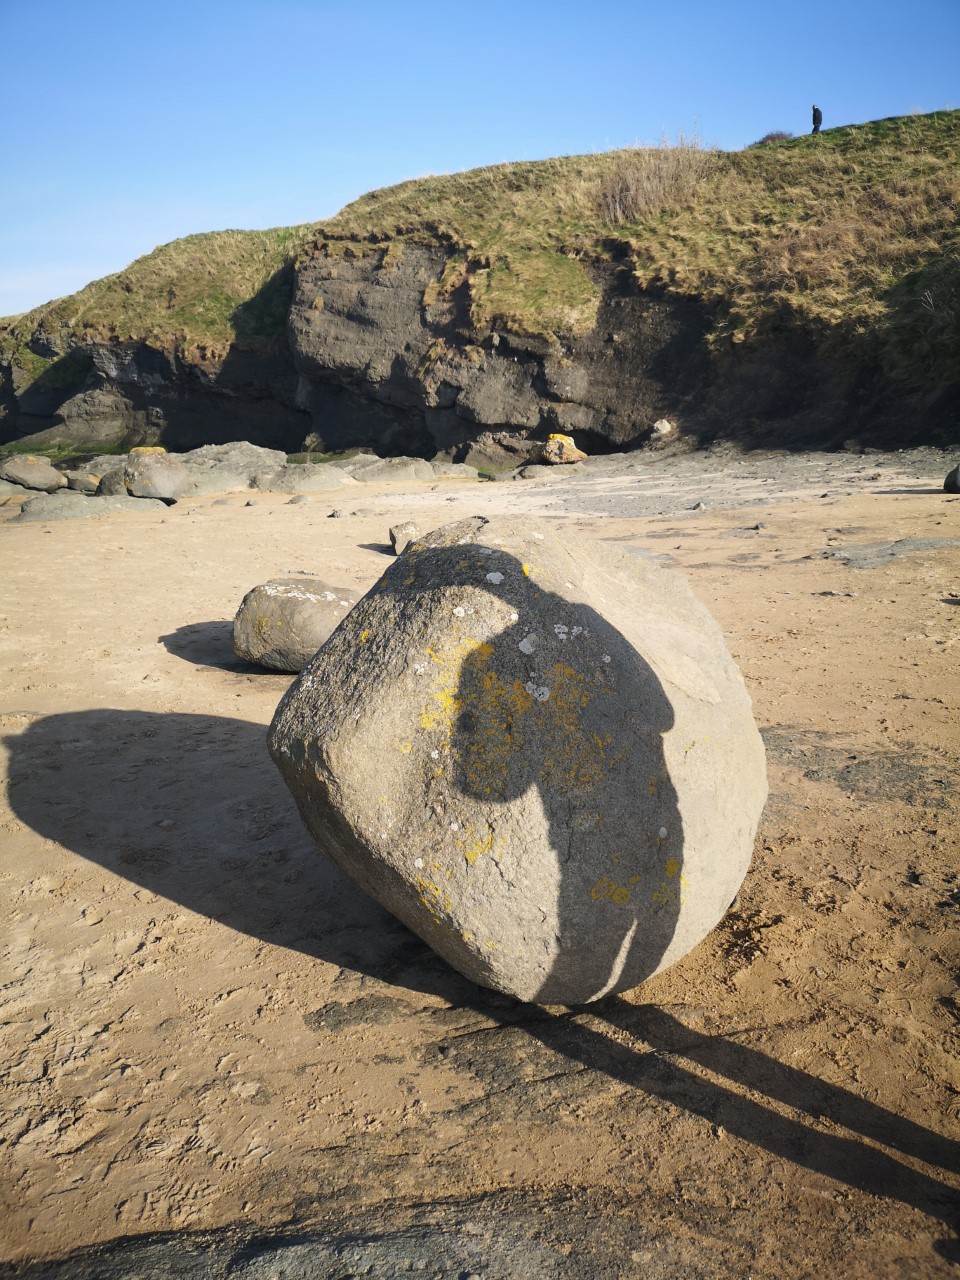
646, 181
851, 237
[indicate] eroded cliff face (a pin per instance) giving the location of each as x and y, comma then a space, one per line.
381, 351
385, 356
135, 393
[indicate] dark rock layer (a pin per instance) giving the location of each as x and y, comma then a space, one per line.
376, 355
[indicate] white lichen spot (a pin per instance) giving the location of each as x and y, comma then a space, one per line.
420, 668
528, 644
561, 631
514, 617
539, 691
454, 826
606, 657
662, 833
577, 631
419, 863
495, 578
434, 755
538, 536
459, 611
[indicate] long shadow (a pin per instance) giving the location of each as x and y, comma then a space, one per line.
843, 1158
190, 807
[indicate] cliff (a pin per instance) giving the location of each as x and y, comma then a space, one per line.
800, 293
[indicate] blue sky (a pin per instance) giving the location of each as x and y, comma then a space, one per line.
130, 124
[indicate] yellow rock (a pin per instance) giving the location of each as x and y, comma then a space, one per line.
147, 448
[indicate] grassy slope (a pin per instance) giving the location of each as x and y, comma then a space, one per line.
852, 236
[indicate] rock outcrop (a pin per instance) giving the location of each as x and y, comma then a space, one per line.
540, 757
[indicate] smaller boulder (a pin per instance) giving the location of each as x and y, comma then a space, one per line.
952, 483
111, 484
662, 428
154, 473
282, 623
82, 481
560, 449
401, 535
33, 473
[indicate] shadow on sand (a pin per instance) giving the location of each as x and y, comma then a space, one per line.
191, 807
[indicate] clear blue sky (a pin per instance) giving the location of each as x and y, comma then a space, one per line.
129, 124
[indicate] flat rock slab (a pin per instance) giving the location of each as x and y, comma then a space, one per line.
33, 473
871, 555
69, 505
540, 757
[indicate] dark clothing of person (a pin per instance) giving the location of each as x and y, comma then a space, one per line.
817, 119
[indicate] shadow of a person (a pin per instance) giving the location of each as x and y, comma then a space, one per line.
561, 705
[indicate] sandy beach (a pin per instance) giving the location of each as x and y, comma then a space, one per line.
215, 1048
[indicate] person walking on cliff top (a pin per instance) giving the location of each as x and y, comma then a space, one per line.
817, 119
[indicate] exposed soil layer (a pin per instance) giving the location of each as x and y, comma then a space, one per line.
217, 1056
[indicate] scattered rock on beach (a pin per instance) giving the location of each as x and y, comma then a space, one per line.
952, 482
401, 535
69, 505
154, 473
33, 473
223, 468
82, 481
282, 623
559, 450
540, 757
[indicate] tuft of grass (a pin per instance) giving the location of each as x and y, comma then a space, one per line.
647, 181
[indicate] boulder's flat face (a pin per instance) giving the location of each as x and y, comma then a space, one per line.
282, 623
539, 756
33, 473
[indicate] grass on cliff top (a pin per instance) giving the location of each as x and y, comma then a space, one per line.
850, 234
199, 295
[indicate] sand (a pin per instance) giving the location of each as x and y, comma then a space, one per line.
217, 1053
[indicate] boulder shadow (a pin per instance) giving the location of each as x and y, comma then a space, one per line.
210, 644
190, 807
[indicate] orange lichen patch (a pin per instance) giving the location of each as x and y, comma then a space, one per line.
474, 844
433, 897
669, 893
608, 890
446, 700
141, 449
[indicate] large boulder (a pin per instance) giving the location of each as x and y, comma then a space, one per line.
154, 473
225, 468
540, 757
282, 623
951, 483
33, 473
